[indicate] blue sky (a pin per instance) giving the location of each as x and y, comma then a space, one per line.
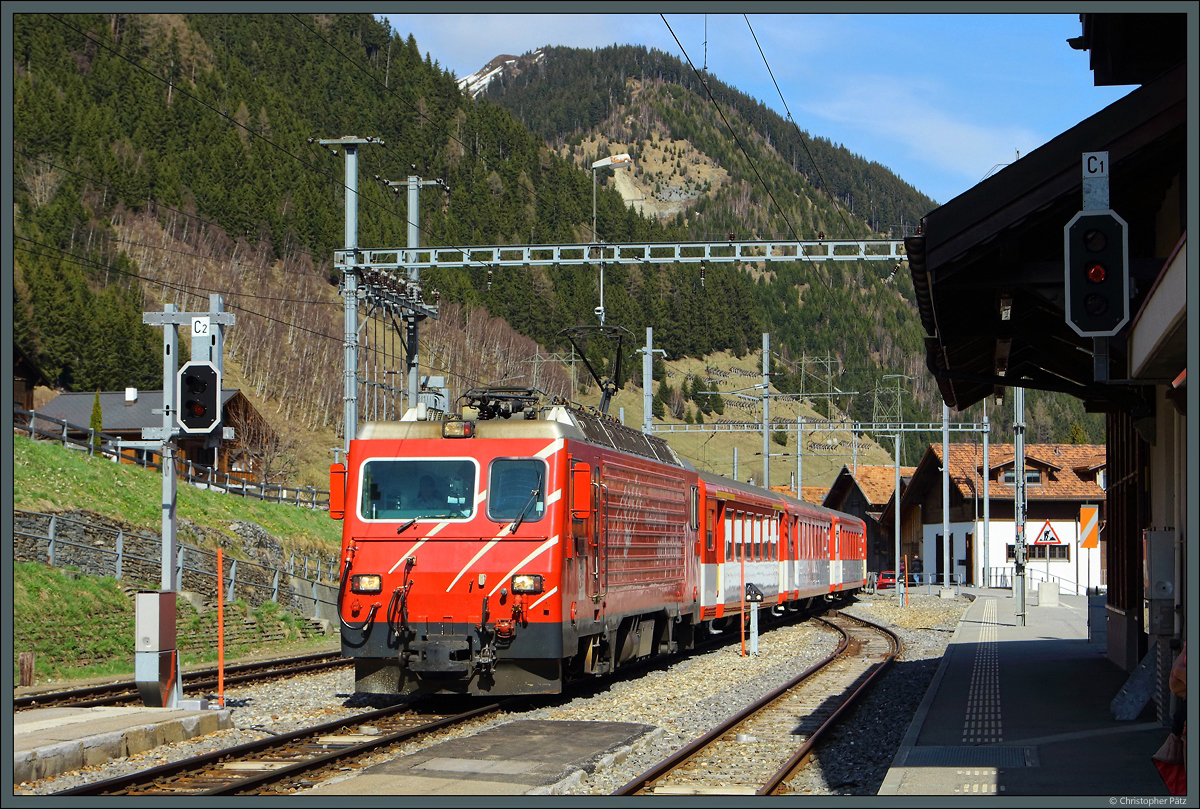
940, 99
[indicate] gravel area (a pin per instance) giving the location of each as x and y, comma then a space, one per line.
855, 758
681, 702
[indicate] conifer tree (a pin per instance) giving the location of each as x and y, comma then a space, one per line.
97, 421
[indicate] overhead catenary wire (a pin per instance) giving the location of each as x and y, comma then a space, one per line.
803, 142
111, 240
195, 291
471, 149
184, 289
250, 131
753, 165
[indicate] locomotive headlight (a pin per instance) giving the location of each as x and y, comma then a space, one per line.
366, 583
527, 583
457, 428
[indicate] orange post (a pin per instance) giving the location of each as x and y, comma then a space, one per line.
220, 630
906, 579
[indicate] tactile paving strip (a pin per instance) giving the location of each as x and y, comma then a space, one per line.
954, 756
982, 723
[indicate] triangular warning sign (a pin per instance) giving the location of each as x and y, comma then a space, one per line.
1046, 535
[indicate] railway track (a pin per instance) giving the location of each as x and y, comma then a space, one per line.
125, 691
300, 759
758, 749
289, 762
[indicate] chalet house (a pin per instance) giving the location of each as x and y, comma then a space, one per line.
1060, 479
124, 414
865, 492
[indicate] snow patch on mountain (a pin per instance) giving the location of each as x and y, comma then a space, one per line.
478, 81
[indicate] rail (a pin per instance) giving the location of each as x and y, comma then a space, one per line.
298, 758
94, 442
197, 680
784, 725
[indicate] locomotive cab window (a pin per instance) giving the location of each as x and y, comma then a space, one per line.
516, 488
403, 489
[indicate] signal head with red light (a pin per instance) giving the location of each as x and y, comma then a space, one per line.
1096, 273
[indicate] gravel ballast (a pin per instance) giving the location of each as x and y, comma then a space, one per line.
682, 702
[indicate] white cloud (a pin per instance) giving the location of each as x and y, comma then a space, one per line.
464, 43
913, 130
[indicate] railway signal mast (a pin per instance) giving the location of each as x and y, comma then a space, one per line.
191, 406
1096, 265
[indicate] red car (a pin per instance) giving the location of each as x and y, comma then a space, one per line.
886, 580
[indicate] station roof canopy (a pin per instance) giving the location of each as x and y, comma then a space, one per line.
988, 266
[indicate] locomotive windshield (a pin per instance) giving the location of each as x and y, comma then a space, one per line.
394, 489
516, 488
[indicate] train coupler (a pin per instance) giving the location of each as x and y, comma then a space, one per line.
438, 655
486, 661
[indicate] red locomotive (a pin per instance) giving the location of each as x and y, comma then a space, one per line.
490, 555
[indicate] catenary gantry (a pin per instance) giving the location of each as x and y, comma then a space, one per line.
753, 251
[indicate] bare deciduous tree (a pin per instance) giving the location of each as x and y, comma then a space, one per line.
268, 454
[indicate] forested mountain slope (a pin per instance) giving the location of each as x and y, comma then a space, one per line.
720, 164
159, 158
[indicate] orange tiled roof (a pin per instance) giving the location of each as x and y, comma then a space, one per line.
877, 482
814, 494
1068, 471
809, 494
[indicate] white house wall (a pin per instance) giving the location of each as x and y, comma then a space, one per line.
1074, 575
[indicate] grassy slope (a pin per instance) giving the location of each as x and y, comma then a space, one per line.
85, 626
90, 618
48, 478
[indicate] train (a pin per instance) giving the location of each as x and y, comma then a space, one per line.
517, 545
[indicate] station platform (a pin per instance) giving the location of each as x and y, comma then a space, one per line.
52, 741
526, 757
1025, 710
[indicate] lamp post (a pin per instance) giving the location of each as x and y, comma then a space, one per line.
616, 161
896, 494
